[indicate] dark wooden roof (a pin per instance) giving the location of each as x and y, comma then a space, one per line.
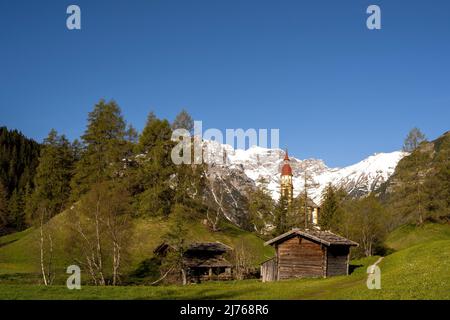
196, 247
326, 238
200, 254
208, 246
214, 261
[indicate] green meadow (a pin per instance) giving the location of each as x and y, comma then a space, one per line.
418, 269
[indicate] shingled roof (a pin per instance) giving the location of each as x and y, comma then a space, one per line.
326, 238
208, 246
215, 261
196, 247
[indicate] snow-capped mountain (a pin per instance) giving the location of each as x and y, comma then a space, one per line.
256, 162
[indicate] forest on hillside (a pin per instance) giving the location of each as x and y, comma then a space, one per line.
19, 158
114, 174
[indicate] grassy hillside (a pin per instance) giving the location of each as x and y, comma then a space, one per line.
247, 289
418, 270
410, 235
421, 179
19, 252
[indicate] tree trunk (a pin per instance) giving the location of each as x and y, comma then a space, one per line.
50, 275
183, 275
42, 251
99, 247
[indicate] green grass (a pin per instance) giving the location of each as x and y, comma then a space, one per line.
15, 255
247, 289
410, 235
5, 240
19, 252
418, 270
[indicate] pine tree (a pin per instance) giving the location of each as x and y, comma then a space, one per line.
281, 213
18, 159
4, 213
53, 175
261, 208
296, 214
153, 176
409, 198
106, 145
18, 162
190, 179
331, 207
16, 210
156, 132
190, 183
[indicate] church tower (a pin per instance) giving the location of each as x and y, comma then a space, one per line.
287, 188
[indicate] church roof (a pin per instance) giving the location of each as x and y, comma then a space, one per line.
309, 202
286, 170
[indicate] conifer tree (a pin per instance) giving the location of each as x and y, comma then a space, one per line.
153, 175
190, 183
331, 207
156, 132
106, 144
16, 210
409, 198
296, 214
261, 207
190, 179
281, 213
4, 213
18, 162
53, 175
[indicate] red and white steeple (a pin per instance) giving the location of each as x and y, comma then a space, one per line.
287, 187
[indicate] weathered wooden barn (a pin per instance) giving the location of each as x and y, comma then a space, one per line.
307, 253
203, 261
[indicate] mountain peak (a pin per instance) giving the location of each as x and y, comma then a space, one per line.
358, 179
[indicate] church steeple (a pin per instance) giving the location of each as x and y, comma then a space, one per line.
287, 188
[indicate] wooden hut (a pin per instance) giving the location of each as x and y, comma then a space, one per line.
307, 253
203, 261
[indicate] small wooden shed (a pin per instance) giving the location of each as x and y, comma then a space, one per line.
205, 261
307, 253
202, 261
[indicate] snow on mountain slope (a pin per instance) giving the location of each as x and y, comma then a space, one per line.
256, 162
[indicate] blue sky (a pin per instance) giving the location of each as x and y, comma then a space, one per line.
336, 90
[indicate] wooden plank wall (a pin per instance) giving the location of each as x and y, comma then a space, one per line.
298, 257
269, 270
337, 261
